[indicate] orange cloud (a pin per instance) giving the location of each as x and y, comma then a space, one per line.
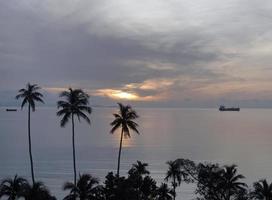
153, 84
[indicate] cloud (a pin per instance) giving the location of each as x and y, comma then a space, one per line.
151, 51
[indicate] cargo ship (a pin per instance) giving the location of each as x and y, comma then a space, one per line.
11, 109
223, 108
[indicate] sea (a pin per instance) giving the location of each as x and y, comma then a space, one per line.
203, 135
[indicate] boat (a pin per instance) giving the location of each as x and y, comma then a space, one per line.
223, 108
11, 109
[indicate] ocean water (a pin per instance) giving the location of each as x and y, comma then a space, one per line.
243, 138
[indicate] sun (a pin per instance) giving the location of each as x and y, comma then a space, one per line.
124, 95
117, 94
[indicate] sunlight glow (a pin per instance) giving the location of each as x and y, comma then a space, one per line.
125, 95
117, 94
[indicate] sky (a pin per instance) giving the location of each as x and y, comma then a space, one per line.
174, 53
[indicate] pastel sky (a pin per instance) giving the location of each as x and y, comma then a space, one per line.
174, 53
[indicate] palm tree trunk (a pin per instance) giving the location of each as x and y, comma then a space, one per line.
174, 186
29, 146
119, 155
13, 196
74, 151
228, 194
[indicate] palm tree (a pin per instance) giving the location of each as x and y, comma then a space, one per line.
230, 183
13, 188
136, 175
30, 95
262, 190
124, 119
37, 191
148, 188
176, 174
139, 168
164, 193
75, 104
85, 188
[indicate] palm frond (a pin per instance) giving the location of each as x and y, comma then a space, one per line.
23, 90
65, 119
38, 94
36, 98
82, 115
117, 116
35, 87
65, 94
64, 111
88, 109
133, 126
68, 186
63, 104
116, 126
116, 121
24, 102
20, 95
32, 104
126, 131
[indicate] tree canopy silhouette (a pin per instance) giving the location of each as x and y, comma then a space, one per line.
86, 188
164, 192
177, 175
139, 168
13, 188
37, 191
262, 190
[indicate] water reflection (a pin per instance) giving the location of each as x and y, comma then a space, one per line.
243, 138
127, 142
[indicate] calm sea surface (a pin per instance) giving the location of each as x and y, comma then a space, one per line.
243, 138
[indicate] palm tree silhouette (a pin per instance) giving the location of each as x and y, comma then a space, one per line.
164, 193
262, 190
75, 104
37, 191
140, 168
148, 188
136, 175
85, 188
124, 119
13, 188
30, 95
176, 174
230, 182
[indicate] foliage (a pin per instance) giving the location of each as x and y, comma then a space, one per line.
164, 192
262, 190
138, 185
177, 174
37, 191
86, 188
13, 188
213, 182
